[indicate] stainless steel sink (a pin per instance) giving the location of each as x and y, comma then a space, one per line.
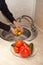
30, 31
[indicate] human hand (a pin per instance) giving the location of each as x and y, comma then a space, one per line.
13, 31
18, 26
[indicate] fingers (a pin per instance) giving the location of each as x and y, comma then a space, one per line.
12, 31
20, 29
18, 26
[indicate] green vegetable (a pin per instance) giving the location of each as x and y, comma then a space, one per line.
13, 44
31, 46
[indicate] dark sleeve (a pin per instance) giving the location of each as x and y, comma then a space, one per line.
4, 26
6, 12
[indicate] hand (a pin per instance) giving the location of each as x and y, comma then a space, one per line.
13, 31
18, 26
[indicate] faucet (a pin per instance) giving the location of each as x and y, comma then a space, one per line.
28, 18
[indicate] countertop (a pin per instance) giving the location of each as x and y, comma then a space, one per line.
7, 58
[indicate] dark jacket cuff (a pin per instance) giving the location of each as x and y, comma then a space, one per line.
4, 26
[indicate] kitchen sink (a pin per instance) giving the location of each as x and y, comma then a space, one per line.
30, 31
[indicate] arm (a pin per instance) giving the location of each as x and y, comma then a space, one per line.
7, 28
4, 26
9, 15
6, 12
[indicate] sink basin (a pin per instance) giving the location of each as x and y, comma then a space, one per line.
30, 31
27, 35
